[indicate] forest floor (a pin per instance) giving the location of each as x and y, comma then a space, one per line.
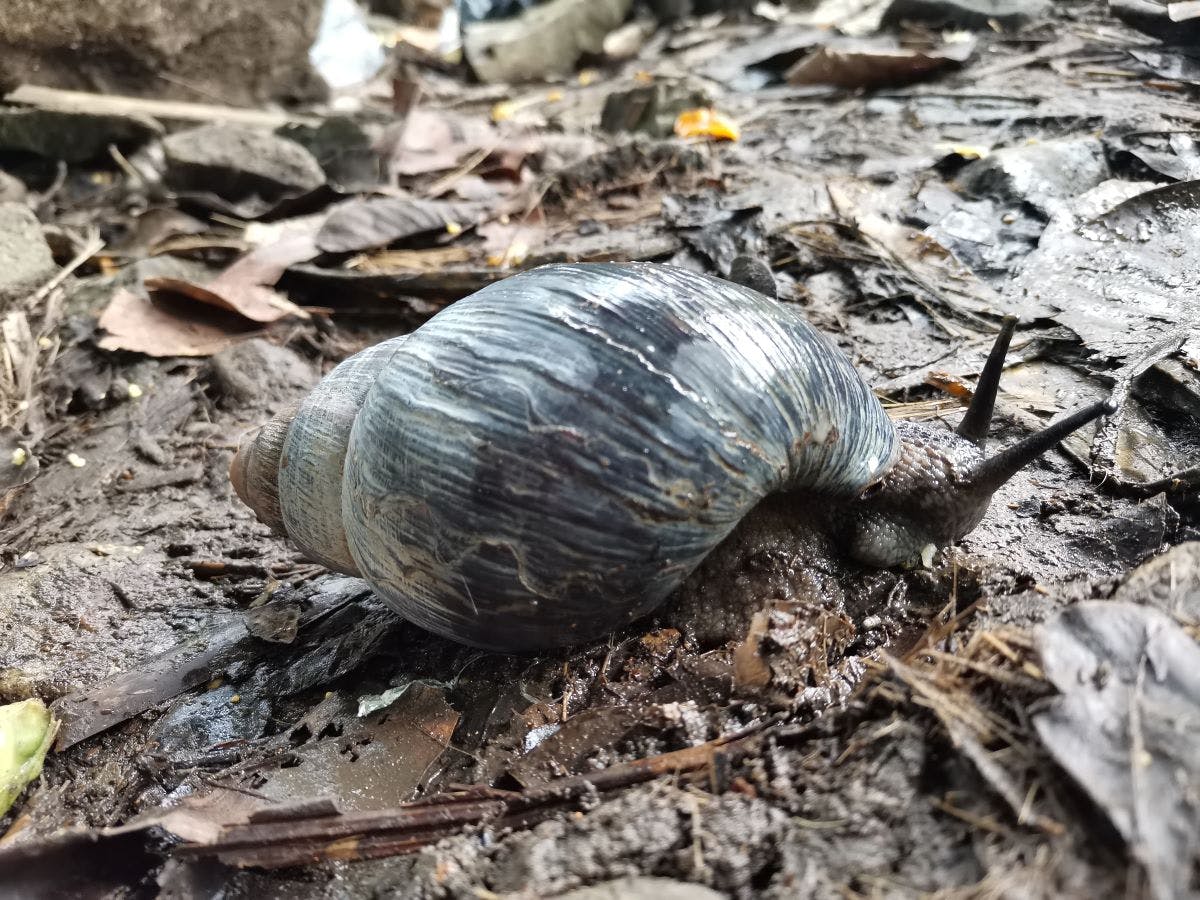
1019, 720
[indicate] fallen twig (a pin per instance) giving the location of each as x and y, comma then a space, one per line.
309, 838
91, 247
171, 110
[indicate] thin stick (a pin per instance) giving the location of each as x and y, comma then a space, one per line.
91, 247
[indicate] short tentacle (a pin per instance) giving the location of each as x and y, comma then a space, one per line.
974, 425
752, 272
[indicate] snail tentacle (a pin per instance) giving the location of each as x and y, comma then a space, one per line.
974, 425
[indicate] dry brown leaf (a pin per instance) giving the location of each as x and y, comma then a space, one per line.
867, 64
430, 260
170, 326
245, 287
750, 669
510, 243
437, 142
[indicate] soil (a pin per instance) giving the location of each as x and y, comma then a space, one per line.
201, 662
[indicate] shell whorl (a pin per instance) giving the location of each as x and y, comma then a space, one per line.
553, 455
314, 451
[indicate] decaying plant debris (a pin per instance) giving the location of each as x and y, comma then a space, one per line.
1021, 720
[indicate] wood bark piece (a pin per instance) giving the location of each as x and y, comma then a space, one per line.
96, 708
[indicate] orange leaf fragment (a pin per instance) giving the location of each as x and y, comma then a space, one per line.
706, 123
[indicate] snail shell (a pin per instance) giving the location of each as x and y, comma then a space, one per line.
552, 456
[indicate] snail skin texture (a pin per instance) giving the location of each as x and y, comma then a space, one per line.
551, 457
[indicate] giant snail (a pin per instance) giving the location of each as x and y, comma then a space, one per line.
551, 457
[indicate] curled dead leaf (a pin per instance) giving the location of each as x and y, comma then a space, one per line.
170, 325
867, 64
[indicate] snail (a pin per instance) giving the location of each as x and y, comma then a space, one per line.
549, 458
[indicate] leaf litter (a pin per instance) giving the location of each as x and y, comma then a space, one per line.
761, 742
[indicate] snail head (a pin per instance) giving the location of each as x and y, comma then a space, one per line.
254, 471
940, 486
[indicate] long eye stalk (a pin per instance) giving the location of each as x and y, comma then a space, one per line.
994, 471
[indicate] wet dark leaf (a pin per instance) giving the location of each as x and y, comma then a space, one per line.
1173, 23
1127, 728
332, 619
377, 222
1180, 64
977, 14
378, 761
1122, 278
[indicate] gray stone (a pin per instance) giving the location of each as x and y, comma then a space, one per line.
11, 189
241, 53
235, 161
639, 888
547, 39
977, 14
25, 258
72, 136
1045, 175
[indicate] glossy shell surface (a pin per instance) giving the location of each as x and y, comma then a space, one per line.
311, 461
550, 457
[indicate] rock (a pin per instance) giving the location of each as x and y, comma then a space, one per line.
639, 888
545, 40
1155, 19
257, 372
72, 136
1170, 582
977, 14
1044, 175
25, 258
342, 148
244, 53
11, 189
651, 109
234, 162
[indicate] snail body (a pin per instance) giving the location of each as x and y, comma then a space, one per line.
552, 456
